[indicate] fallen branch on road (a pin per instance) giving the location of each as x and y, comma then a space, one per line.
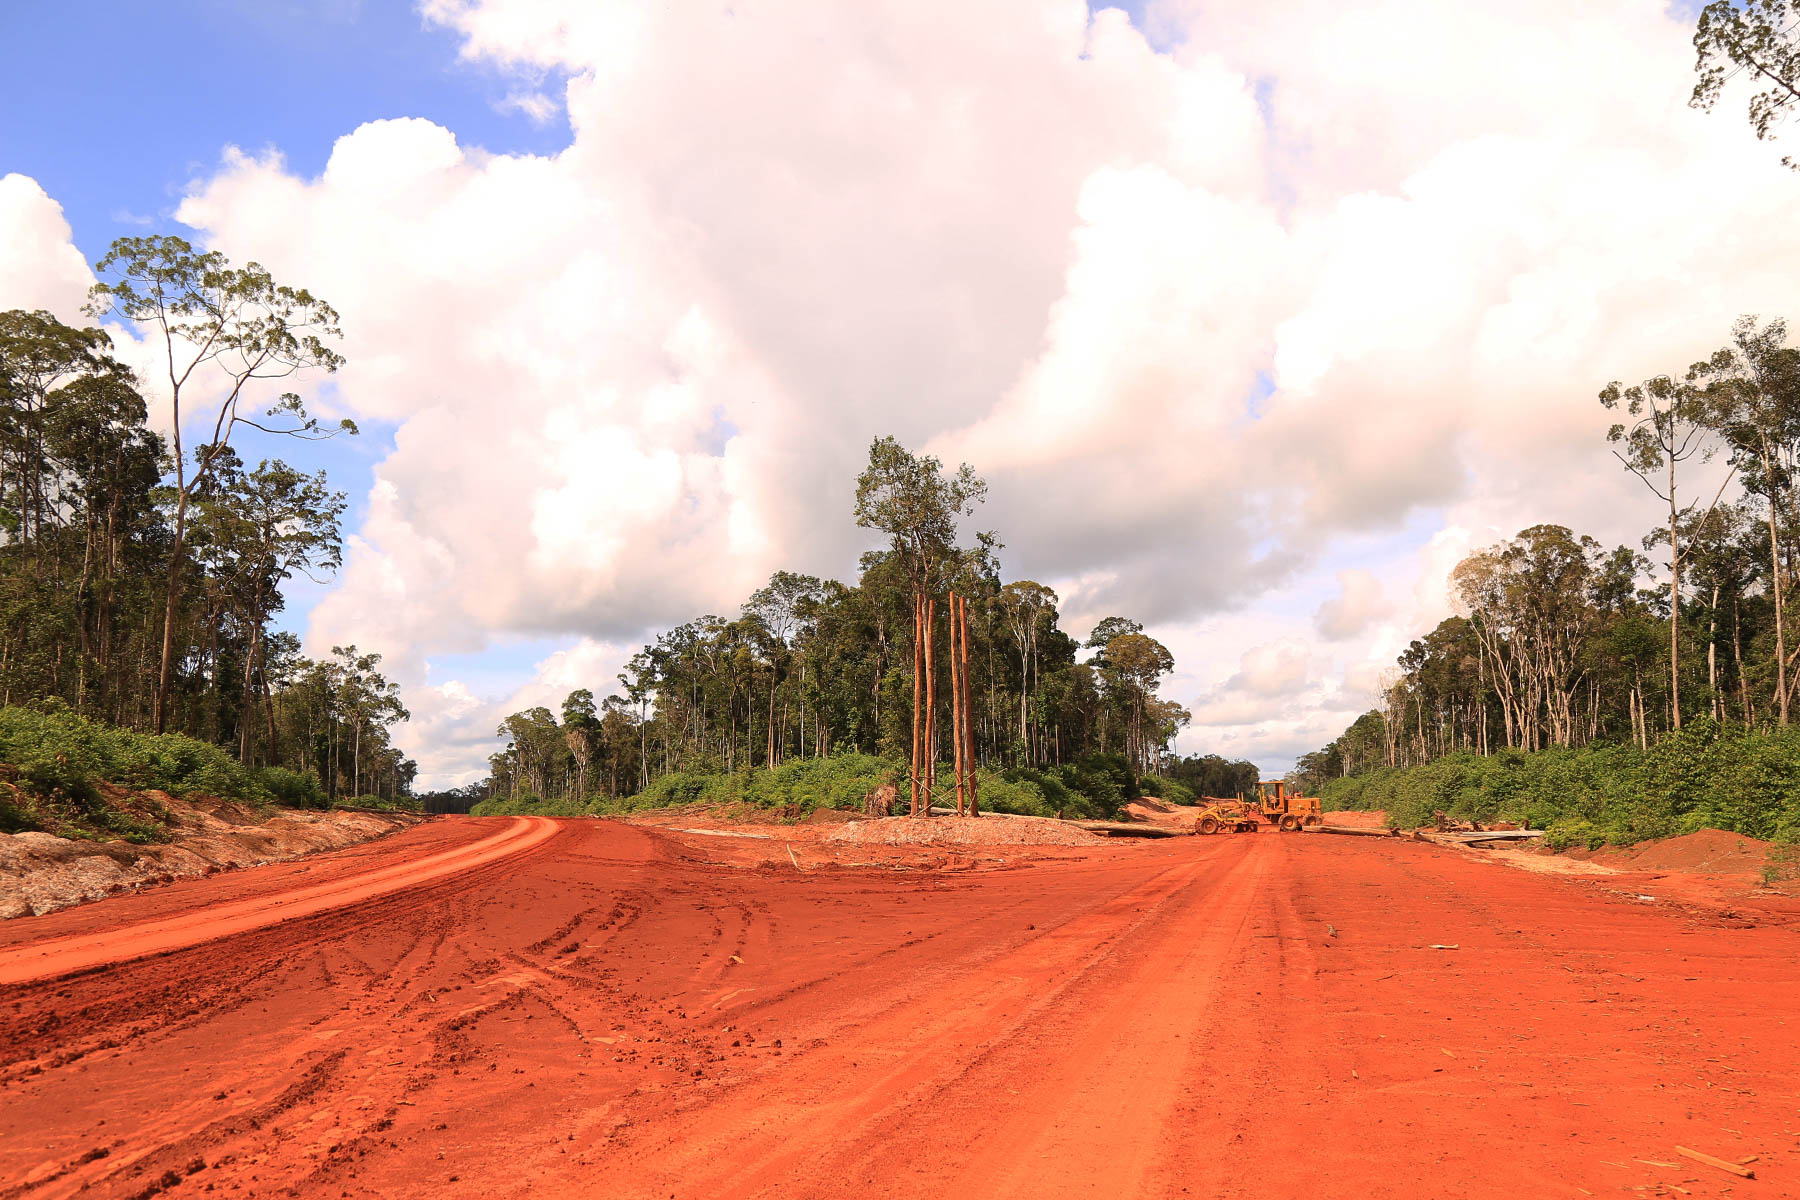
1709, 1160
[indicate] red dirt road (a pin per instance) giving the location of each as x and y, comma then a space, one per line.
617, 1011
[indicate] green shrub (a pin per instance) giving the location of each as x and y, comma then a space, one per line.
380, 803
531, 806
61, 758
294, 789
1700, 777
55, 748
843, 781
1174, 791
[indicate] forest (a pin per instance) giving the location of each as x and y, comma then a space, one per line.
817, 691
1625, 692
140, 579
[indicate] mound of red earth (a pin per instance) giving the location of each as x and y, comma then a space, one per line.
963, 831
1703, 852
40, 872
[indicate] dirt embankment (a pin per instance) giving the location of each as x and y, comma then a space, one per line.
40, 872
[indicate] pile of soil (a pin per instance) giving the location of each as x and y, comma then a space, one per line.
963, 831
1346, 819
40, 872
1704, 852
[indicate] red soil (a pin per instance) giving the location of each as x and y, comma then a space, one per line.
1705, 852
1373, 819
621, 1011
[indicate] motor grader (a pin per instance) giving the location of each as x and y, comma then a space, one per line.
1286, 812
1224, 816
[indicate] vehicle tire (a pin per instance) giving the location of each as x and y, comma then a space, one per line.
1314, 820
1208, 825
1290, 823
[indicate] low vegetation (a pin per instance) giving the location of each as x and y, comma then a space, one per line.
1094, 787
1704, 776
68, 775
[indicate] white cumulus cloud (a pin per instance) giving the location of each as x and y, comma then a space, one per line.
1314, 278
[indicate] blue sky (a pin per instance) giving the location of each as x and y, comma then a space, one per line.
126, 103
1415, 182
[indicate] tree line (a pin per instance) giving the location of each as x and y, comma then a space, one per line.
139, 578
1559, 641
808, 667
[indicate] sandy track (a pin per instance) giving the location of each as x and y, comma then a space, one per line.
611, 1012
77, 952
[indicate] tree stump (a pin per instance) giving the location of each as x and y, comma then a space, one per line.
879, 801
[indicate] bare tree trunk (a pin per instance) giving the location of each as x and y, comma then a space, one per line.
1781, 691
918, 689
968, 732
1737, 658
930, 705
1674, 601
956, 705
1712, 658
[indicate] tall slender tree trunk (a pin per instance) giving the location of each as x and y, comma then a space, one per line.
1712, 658
1781, 691
968, 732
1674, 601
930, 705
956, 706
1737, 659
918, 690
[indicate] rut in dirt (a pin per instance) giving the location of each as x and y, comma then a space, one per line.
613, 1010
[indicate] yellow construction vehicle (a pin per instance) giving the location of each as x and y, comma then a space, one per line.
1224, 816
1286, 812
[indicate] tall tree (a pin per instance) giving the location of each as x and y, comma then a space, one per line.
1761, 37
777, 608
912, 500
1669, 427
581, 725
267, 524
221, 331
1753, 388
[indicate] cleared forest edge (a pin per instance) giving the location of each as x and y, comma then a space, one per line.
40, 872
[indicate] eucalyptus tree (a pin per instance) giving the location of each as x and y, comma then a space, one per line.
371, 700
1753, 389
1134, 664
1023, 605
39, 355
911, 499
1670, 425
270, 524
1110, 628
778, 609
1722, 555
223, 333
581, 725
1761, 37
639, 679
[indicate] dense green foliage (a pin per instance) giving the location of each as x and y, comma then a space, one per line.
814, 669
1207, 775
1566, 695
1092, 788
58, 760
1557, 644
139, 580
1702, 777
